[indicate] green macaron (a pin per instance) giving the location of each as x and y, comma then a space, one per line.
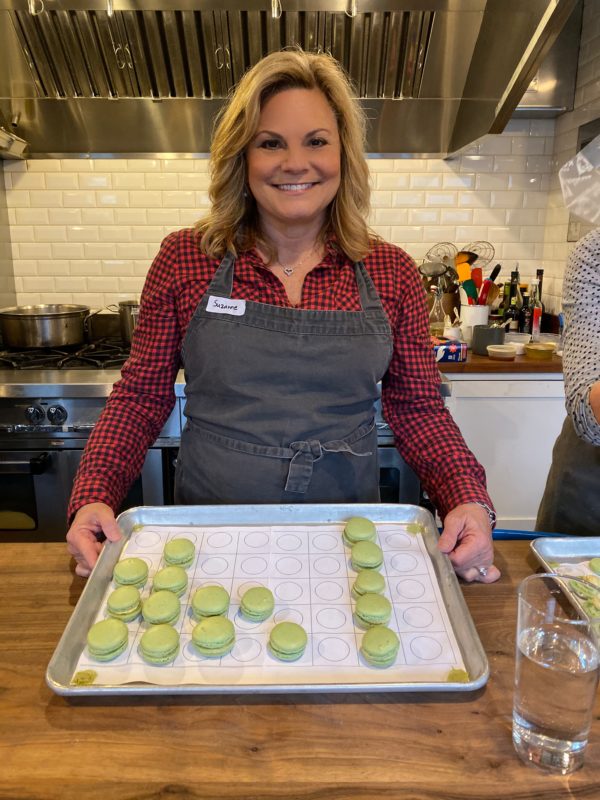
131, 572
107, 639
257, 604
379, 646
372, 609
210, 601
287, 641
214, 636
161, 607
180, 552
124, 603
368, 580
366, 555
359, 529
172, 579
595, 565
159, 644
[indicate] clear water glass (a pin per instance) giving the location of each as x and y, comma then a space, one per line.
556, 670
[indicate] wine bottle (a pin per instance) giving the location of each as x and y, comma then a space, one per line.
539, 274
511, 318
525, 315
536, 310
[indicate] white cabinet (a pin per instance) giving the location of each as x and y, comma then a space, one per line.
510, 422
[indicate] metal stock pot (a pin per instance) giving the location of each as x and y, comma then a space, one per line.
55, 325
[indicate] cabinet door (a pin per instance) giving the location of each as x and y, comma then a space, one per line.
511, 427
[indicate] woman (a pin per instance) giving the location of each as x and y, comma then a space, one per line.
286, 312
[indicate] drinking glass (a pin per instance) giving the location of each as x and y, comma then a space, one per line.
556, 670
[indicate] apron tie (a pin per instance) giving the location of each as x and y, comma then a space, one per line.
305, 455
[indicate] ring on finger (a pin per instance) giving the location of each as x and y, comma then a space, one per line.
483, 571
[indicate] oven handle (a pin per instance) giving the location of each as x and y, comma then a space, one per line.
31, 466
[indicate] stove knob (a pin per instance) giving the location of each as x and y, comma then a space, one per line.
57, 415
34, 414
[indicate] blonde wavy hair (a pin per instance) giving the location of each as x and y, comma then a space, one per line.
233, 221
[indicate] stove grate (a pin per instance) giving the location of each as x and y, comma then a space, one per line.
102, 354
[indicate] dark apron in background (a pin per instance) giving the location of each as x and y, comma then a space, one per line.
279, 400
571, 501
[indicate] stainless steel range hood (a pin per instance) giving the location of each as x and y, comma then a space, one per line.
148, 77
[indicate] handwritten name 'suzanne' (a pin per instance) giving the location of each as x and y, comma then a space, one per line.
224, 306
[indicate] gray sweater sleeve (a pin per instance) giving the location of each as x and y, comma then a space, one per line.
581, 357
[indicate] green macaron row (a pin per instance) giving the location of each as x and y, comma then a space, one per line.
162, 607
131, 572
124, 603
210, 601
179, 552
107, 639
172, 578
159, 644
359, 529
287, 641
214, 636
257, 604
372, 609
379, 646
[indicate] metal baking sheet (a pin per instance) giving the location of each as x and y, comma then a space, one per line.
64, 661
565, 550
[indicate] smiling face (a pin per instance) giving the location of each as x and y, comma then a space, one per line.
293, 161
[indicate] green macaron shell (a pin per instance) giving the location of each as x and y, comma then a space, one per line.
210, 601
159, 644
124, 603
287, 641
161, 607
214, 636
172, 578
257, 604
595, 565
359, 529
131, 572
372, 609
366, 555
107, 639
379, 646
368, 580
179, 551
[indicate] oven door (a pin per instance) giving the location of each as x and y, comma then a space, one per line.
397, 482
35, 485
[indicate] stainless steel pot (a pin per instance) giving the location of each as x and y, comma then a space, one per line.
53, 325
128, 314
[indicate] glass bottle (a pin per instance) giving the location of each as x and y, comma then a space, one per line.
525, 314
536, 310
436, 315
511, 318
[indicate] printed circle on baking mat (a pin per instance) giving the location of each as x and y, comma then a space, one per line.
288, 565
289, 615
331, 618
288, 591
246, 649
403, 562
289, 542
214, 565
221, 539
146, 539
418, 617
254, 565
326, 565
410, 588
333, 649
193, 537
325, 542
398, 541
256, 539
425, 648
328, 591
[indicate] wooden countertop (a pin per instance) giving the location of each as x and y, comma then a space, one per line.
415, 746
520, 365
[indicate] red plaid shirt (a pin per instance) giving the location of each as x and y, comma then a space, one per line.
143, 398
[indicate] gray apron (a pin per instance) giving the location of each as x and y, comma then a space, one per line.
571, 501
279, 400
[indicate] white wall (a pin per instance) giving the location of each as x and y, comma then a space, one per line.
586, 109
85, 230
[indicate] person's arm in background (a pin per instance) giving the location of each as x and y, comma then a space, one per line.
581, 355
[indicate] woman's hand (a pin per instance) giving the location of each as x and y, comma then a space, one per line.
467, 540
83, 541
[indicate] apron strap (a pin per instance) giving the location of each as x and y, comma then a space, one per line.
302, 454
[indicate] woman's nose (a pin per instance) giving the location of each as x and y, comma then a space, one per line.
294, 159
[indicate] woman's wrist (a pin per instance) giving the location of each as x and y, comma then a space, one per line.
594, 398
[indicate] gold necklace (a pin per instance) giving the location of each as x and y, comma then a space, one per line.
290, 270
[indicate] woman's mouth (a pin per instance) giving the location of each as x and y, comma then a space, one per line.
293, 187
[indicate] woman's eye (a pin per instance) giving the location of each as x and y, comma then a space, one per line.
270, 144
317, 142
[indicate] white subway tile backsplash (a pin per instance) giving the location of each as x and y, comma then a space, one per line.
98, 216
25, 180
179, 199
51, 233
114, 233
55, 267
161, 181
445, 199
62, 180
31, 216
116, 165
390, 216
424, 216
67, 250
101, 250
128, 180
117, 267
96, 180
477, 163
425, 181
131, 250
22, 233
455, 216
508, 199
17, 199
453, 180
117, 198
380, 199
130, 216
82, 233
78, 199
392, 180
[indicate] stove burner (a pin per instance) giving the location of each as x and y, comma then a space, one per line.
103, 354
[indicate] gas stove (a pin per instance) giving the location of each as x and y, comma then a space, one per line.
101, 354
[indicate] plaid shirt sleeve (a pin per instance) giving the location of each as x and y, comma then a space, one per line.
425, 433
142, 399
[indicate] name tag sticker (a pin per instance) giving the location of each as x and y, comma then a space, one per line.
225, 305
